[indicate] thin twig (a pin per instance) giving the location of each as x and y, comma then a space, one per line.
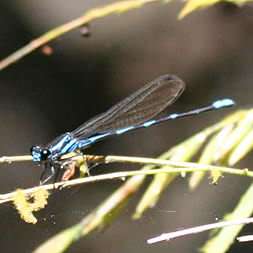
121, 175
198, 229
93, 14
10, 159
139, 160
245, 238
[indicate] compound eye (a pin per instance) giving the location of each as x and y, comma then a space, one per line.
44, 154
36, 149
36, 153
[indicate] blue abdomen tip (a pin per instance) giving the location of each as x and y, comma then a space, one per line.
223, 103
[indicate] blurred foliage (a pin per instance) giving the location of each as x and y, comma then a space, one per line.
216, 144
192, 5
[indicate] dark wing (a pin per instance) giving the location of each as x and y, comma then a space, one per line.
139, 107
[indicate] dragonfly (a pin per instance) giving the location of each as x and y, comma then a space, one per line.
135, 111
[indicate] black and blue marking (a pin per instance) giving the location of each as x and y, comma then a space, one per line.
135, 111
